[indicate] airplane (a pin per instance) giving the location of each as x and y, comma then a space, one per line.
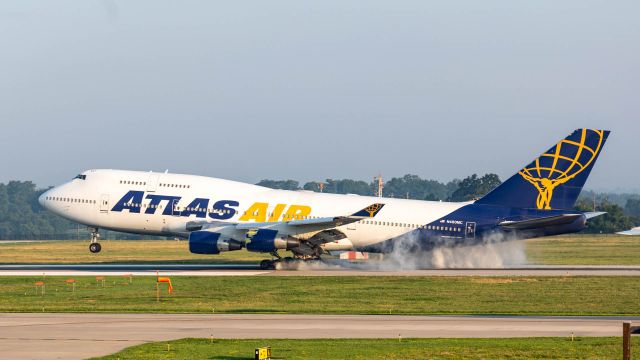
217, 215
631, 232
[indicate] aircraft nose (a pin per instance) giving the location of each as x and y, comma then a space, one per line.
42, 198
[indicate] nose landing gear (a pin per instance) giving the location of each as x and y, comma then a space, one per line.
95, 246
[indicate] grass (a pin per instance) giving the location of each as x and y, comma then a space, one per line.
115, 251
388, 349
558, 250
585, 250
579, 295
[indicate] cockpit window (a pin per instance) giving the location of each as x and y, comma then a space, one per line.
81, 177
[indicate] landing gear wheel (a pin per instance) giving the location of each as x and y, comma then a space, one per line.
267, 265
95, 247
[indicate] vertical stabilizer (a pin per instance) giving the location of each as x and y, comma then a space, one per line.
553, 180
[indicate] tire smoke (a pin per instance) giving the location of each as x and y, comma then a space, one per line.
495, 251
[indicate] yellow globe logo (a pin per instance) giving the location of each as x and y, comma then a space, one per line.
373, 209
561, 163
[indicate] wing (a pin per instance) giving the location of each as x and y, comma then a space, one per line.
320, 223
292, 227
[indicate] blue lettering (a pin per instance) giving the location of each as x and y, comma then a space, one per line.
130, 201
198, 206
222, 209
157, 199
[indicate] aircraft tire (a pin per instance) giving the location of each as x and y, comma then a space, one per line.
95, 247
267, 265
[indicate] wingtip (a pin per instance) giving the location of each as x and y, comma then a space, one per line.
370, 211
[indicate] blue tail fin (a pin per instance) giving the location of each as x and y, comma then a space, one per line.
553, 180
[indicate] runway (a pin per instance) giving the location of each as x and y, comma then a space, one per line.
305, 270
77, 336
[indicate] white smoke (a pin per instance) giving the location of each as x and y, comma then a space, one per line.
490, 255
495, 251
313, 265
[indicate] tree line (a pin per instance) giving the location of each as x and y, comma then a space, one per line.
22, 217
406, 187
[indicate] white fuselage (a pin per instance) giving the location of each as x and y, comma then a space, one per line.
92, 197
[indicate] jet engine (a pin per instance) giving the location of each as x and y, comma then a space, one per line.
266, 240
207, 242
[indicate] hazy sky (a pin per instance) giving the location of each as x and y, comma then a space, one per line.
314, 90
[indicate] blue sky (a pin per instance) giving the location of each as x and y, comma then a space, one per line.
313, 90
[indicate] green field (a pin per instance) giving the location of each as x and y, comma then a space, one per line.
584, 250
115, 251
559, 250
388, 349
331, 295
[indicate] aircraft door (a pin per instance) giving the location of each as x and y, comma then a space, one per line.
175, 209
104, 203
470, 230
152, 182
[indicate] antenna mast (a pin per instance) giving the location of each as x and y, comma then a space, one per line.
380, 184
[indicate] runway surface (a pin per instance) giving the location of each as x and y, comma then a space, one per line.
77, 336
305, 270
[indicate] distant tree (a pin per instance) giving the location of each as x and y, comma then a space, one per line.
414, 187
473, 187
632, 207
317, 186
613, 221
614, 198
22, 217
431, 197
344, 186
280, 184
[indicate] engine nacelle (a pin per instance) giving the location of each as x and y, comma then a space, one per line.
266, 240
206, 242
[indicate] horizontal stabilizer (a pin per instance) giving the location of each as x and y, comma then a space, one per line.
540, 222
591, 215
633, 232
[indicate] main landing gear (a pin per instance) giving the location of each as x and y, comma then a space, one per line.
95, 246
271, 264
288, 263
268, 264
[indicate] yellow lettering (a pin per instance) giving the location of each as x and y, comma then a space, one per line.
277, 211
257, 212
297, 212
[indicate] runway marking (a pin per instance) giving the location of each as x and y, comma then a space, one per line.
134, 273
249, 270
